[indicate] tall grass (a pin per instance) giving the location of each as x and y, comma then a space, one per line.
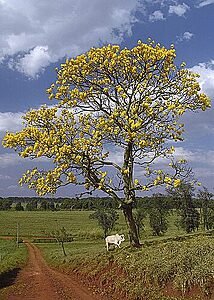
10, 256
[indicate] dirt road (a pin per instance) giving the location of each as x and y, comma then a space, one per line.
37, 281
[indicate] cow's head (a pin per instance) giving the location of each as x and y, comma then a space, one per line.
122, 237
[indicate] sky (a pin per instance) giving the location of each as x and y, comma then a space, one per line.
36, 36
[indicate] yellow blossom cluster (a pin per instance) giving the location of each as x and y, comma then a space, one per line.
127, 76
56, 134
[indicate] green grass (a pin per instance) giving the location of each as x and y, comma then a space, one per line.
33, 223
74, 250
160, 261
10, 256
143, 273
41, 223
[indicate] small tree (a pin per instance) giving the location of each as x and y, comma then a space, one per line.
110, 100
62, 236
189, 216
210, 219
106, 219
205, 198
158, 211
157, 221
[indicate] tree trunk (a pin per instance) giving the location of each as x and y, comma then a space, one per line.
133, 234
63, 249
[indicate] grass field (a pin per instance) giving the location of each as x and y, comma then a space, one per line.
41, 223
33, 223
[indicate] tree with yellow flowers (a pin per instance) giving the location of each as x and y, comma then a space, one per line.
111, 100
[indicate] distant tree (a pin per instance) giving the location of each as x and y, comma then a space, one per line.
157, 221
44, 205
57, 207
6, 204
62, 236
210, 218
126, 100
158, 210
51, 205
28, 207
106, 219
207, 209
67, 204
19, 206
189, 216
32, 205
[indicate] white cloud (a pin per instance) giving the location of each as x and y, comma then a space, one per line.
115, 155
156, 16
206, 79
10, 121
201, 161
186, 36
12, 159
201, 125
197, 156
181, 153
36, 33
204, 173
205, 2
33, 62
13, 187
9, 159
179, 9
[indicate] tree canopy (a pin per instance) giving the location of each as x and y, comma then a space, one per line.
110, 100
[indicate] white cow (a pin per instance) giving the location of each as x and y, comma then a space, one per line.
116, 239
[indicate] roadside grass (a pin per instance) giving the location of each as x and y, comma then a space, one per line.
11, 257
147, 273
75, 251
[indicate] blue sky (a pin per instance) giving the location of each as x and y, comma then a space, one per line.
36, 36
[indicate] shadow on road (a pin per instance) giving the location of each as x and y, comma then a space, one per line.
8, 278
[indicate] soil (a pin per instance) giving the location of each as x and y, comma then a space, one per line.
38, 281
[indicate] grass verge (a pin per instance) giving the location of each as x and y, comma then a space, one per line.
168, 270
11, 257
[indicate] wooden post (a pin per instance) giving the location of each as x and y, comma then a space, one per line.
17, 234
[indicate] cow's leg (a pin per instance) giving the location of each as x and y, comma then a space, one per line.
107, 246
117, 244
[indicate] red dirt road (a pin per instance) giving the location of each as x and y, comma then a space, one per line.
37, 281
